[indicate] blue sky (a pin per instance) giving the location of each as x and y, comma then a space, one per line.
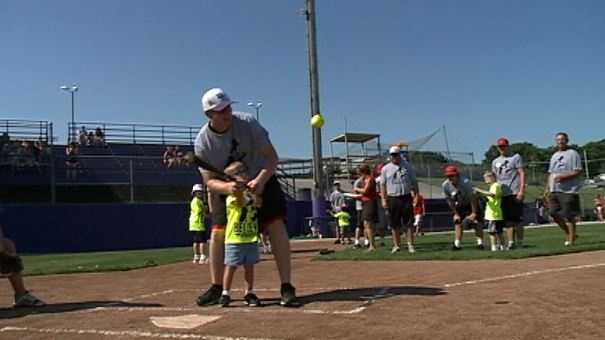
484, 68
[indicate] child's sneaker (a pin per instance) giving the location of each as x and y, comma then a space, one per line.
203, 259
495, 247
252, 300
224, 300
28, 300
196, 259
411, 249
395, 250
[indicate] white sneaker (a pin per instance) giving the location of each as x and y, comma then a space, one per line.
567, 243
196, 259
28, 300
366, 243
495, 248
411, 249
203, 259
395, 250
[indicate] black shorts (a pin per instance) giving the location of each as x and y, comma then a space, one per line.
512, 209
274, 206
564, 205
494, 227
464, 212
200, 236
400, 211
369, 211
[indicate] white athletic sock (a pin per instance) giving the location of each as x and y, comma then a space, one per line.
356, 242
225, 292
366, 242
457, 243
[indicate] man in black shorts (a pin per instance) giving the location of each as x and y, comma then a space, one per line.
232, 136
462, 201
511, 175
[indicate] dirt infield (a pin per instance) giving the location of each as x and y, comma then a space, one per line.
561, 297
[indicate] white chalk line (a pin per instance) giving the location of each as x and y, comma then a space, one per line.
224, 310
111, 333
524, 274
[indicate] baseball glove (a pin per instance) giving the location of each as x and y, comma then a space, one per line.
10, 264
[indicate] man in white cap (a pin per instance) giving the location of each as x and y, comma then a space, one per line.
397, 180
233, 136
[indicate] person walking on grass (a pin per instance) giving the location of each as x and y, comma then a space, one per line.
459, 196
196, 225
369, 212
419, 211
493, 210
397, 180
229, 137
563, 186
510, 173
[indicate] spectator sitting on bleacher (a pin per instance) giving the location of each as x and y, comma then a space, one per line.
99, 139
72, 163
180, 156
83, 136
169, 157
26, 157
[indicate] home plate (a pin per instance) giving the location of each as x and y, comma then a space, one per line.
183, 322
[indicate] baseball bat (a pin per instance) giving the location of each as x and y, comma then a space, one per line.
192, 158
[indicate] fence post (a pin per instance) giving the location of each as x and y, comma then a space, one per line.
53, 180
131, 181
52, 138
134, 136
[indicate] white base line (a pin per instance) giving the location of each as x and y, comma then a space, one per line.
136, 334
224, 311
525, 274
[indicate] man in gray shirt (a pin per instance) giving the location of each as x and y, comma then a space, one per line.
397, 179
511, 175
459, 195
563, 186
229, 137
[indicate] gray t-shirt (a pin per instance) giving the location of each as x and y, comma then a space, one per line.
399, 179
242, 142
507, 173
564, 162
337, 200
461, 195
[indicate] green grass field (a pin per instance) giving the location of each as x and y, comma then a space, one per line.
538, 242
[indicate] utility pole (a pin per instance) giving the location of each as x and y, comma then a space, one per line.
318, 194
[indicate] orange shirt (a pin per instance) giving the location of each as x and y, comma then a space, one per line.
371, 193
419, 205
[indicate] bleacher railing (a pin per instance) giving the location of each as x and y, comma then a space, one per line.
29, 130
139, 133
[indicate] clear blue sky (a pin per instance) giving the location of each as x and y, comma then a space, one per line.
484, 68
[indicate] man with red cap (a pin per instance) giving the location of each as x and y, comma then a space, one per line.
510, 174
459, 195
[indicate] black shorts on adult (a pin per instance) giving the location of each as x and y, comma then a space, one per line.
200, 236
464, 212
512, 209
564, 205
369, 211
274, 206
400, 211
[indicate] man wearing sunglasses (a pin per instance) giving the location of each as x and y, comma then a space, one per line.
510, 174
233, 136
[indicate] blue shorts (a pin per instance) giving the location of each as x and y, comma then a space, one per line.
241, 254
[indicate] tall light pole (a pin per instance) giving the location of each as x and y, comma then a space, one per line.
71, 89
256, 107
319, 210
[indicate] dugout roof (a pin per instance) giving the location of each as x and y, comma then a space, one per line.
354, 137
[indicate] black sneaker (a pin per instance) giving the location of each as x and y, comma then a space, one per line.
480, 247
224, 300
455, 248
337, 242
211, 296
288, 295
252, 300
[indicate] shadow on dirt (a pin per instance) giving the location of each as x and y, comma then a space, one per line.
12, 313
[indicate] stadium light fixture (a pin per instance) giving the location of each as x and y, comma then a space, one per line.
256, 107
71, 89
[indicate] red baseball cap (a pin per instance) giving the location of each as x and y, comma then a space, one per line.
502, 142
451, 170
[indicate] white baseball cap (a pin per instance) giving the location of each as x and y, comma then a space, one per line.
394, 150
215, 100
197, 187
